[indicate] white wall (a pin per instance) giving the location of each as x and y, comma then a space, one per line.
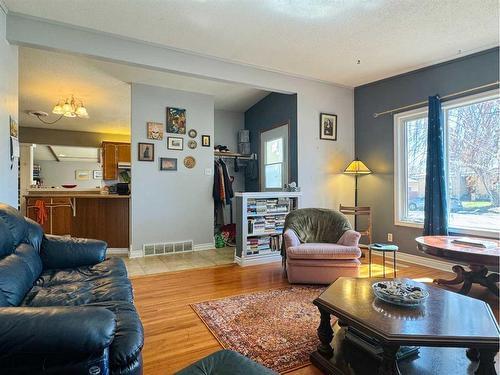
8, 106
171, 205
226, 126
54, 173
320, 162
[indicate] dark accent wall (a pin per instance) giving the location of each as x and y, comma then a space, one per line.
375, 137
274, 110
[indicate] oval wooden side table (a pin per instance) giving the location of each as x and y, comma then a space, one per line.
476, 258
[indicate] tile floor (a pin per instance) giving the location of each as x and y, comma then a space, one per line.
177, 262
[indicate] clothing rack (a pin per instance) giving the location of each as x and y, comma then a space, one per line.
234, 155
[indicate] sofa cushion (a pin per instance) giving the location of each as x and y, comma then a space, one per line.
323, 251
109, 267
18, 272
114, 288
226, 362
15, 223
129, 336
6, 241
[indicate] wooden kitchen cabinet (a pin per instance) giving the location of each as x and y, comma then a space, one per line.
123, 152
112, 154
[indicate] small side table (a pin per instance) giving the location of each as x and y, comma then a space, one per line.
384, 248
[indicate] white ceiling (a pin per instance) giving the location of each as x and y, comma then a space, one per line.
66, 153
321, 39
46, 77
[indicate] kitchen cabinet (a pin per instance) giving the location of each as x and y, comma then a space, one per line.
112, 154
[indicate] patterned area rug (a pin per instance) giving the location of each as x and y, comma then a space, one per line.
276, 328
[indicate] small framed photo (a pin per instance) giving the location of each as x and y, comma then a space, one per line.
205, 140
82, 175
328, 126
176, 120
175, 143
97, 174
146, 152
168, 164
155, 130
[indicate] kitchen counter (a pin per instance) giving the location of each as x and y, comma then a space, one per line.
52, 194
83, 214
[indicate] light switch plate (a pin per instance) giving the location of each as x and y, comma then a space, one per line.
208, 171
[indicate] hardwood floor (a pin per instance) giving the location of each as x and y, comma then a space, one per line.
176, 337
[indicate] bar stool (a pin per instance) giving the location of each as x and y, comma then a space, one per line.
384, 248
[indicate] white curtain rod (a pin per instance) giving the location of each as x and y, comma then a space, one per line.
390, 111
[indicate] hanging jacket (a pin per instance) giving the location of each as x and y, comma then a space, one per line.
228, 185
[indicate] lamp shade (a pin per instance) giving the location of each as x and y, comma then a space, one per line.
357, 167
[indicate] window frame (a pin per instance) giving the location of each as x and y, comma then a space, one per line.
400, 159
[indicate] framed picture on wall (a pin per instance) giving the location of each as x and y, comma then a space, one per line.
328, 126
155, 130
176, 120
146, 152
175, 143
168, 164
205, 140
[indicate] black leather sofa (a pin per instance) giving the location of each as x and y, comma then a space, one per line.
64, 308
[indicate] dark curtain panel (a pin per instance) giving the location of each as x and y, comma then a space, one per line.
436, 210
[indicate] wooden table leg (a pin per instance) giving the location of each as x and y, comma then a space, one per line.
325, 334
478, 274
459, 270
486, 362
389, 364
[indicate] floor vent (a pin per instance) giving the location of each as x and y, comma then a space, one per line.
167, 248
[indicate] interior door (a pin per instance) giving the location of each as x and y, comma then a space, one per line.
274, 158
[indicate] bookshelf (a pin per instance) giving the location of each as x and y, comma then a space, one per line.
260, 218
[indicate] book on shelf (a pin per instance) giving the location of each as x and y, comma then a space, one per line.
264, 206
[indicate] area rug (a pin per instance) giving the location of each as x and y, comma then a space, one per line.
276, 328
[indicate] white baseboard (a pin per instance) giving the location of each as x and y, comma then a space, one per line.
257, 260
204, 246
135, 253
415, 259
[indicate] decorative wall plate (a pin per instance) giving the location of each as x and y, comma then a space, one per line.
192, 144
189, 162
192, 133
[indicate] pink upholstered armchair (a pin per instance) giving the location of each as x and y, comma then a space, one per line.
320, 246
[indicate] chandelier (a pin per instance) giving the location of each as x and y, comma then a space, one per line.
70, 107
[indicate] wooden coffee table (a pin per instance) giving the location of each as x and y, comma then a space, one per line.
435, 327
478, 259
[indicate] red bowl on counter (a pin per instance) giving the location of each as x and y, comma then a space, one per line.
69, 186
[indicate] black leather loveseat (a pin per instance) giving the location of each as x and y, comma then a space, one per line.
64, 308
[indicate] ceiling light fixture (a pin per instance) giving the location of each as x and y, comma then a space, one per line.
71, 108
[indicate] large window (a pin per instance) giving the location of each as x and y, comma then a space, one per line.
472, 137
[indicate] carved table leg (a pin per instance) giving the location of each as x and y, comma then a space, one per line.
459, 270
472, 354
389, 365
486, 362
325, 334
478, 274
491, 283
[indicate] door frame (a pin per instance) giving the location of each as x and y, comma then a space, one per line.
259, 145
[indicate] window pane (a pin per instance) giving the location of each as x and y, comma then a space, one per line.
416, 157
473, 167
273, 176
274, 151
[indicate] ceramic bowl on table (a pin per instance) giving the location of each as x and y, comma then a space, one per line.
400, 293
68, 186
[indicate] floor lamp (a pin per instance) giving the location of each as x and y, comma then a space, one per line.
356, 168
